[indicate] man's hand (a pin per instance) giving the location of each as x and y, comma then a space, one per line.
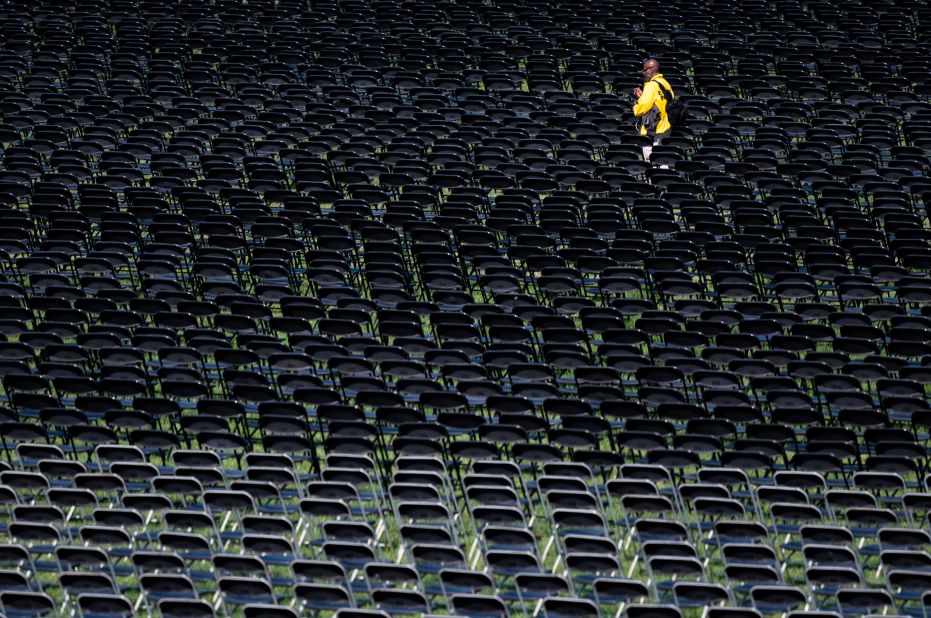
638, 92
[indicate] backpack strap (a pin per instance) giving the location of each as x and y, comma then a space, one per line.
667, 94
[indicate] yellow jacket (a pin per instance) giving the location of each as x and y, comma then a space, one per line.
652, 100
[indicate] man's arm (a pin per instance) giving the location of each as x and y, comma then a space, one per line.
647, 99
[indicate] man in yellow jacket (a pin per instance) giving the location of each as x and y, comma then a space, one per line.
651, 106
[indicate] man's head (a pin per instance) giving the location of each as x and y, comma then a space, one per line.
650, 68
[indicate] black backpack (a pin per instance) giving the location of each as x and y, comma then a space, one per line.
676, 111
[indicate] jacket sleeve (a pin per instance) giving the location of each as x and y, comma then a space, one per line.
647, 100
